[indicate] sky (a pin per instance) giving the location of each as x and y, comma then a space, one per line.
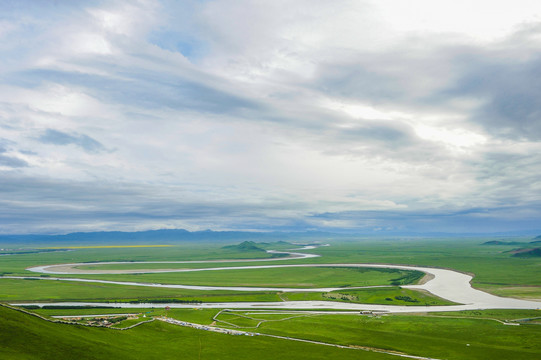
377, 117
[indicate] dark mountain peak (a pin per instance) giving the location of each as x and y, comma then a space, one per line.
245, 246
527, 253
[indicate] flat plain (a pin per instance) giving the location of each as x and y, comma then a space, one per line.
489, 334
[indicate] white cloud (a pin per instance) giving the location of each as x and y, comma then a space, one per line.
363, 111
457, 138
481, 20
282, 115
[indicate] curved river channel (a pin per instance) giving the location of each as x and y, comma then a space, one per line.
447, 284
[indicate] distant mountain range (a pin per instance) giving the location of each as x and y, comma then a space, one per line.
526, 251
499, 242
536, 240
165, 236
170, 236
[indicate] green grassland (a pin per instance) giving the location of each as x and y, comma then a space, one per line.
454, 335
438, 335
494, 268
446, 338
51, 290
387, 296
490, 263
16, 264
298, 277
27, 337
128, 322
476, 336
532, 292
506, 315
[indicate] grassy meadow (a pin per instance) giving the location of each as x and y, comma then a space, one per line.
27, 337
447, 338
299, 277
448, 335
493, 267
468, 335
388, 296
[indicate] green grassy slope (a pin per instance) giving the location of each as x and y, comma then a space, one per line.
442, 338
27, 337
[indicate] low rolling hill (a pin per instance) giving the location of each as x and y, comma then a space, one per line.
28, 337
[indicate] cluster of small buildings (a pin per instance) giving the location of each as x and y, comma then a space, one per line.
205, 327
103, 320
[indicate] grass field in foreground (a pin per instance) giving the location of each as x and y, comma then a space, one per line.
27, 337
443, 338
475, 337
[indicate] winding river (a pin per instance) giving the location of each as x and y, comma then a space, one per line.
445, 283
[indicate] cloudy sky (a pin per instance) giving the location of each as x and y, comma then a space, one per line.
370, 116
